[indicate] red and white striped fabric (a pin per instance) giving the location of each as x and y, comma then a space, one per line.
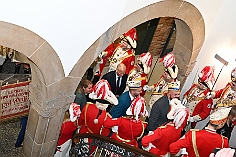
132, 37
168, 60
74, 111
207, 76
146, 60
102, 90
137, 107
179, 113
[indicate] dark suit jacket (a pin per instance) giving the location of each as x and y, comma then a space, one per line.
123, 104
158, 114
111, 78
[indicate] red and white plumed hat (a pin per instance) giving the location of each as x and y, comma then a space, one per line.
137, 107
220, 116
172, 71
74, 111
179, 113
146, 61
102, 90
131, 36
168, 60
169, 64
206, 76
233, 75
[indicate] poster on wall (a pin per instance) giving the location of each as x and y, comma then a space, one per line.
14, 100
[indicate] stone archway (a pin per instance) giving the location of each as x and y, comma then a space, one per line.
189, 38
49, 95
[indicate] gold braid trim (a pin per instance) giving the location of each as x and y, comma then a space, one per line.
222, 141
124, 140
142, 131
194, 143
85, 117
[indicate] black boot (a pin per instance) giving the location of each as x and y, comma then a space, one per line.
90, 73
1, 68
17, 68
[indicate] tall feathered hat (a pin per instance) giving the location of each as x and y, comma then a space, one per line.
102, 91
169, 64
206, 76
168, 60
131, 37
179, 113
145, 61
137, 107
233, 75
74, 111
220, 116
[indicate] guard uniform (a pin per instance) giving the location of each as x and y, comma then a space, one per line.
199, 143
198, 106
158, 141
116, 54
129, 129
227, 97
195, 99
161, 138
86, 120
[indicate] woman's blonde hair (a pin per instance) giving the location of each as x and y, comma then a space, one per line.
83, 84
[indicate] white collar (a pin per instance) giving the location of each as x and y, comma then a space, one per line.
131, 97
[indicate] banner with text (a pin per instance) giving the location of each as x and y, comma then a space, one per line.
14, 100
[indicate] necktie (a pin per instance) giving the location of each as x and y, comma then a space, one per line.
118, 84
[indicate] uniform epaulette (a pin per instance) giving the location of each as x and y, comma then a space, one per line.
171, 124
108, 114
194, 129
162, 127
126, 117
224, 136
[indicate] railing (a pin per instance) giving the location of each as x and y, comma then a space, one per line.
101, 146
14, 78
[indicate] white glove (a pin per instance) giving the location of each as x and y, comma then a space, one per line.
150, 146
184, 101
210, 95
78, 128
115, 128
191, 119
147, 88
150, 132
181, 152
103, 54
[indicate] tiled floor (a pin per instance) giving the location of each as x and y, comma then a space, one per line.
9, 129
8, 134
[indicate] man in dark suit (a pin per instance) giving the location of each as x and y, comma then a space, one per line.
117, 79
161, 107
